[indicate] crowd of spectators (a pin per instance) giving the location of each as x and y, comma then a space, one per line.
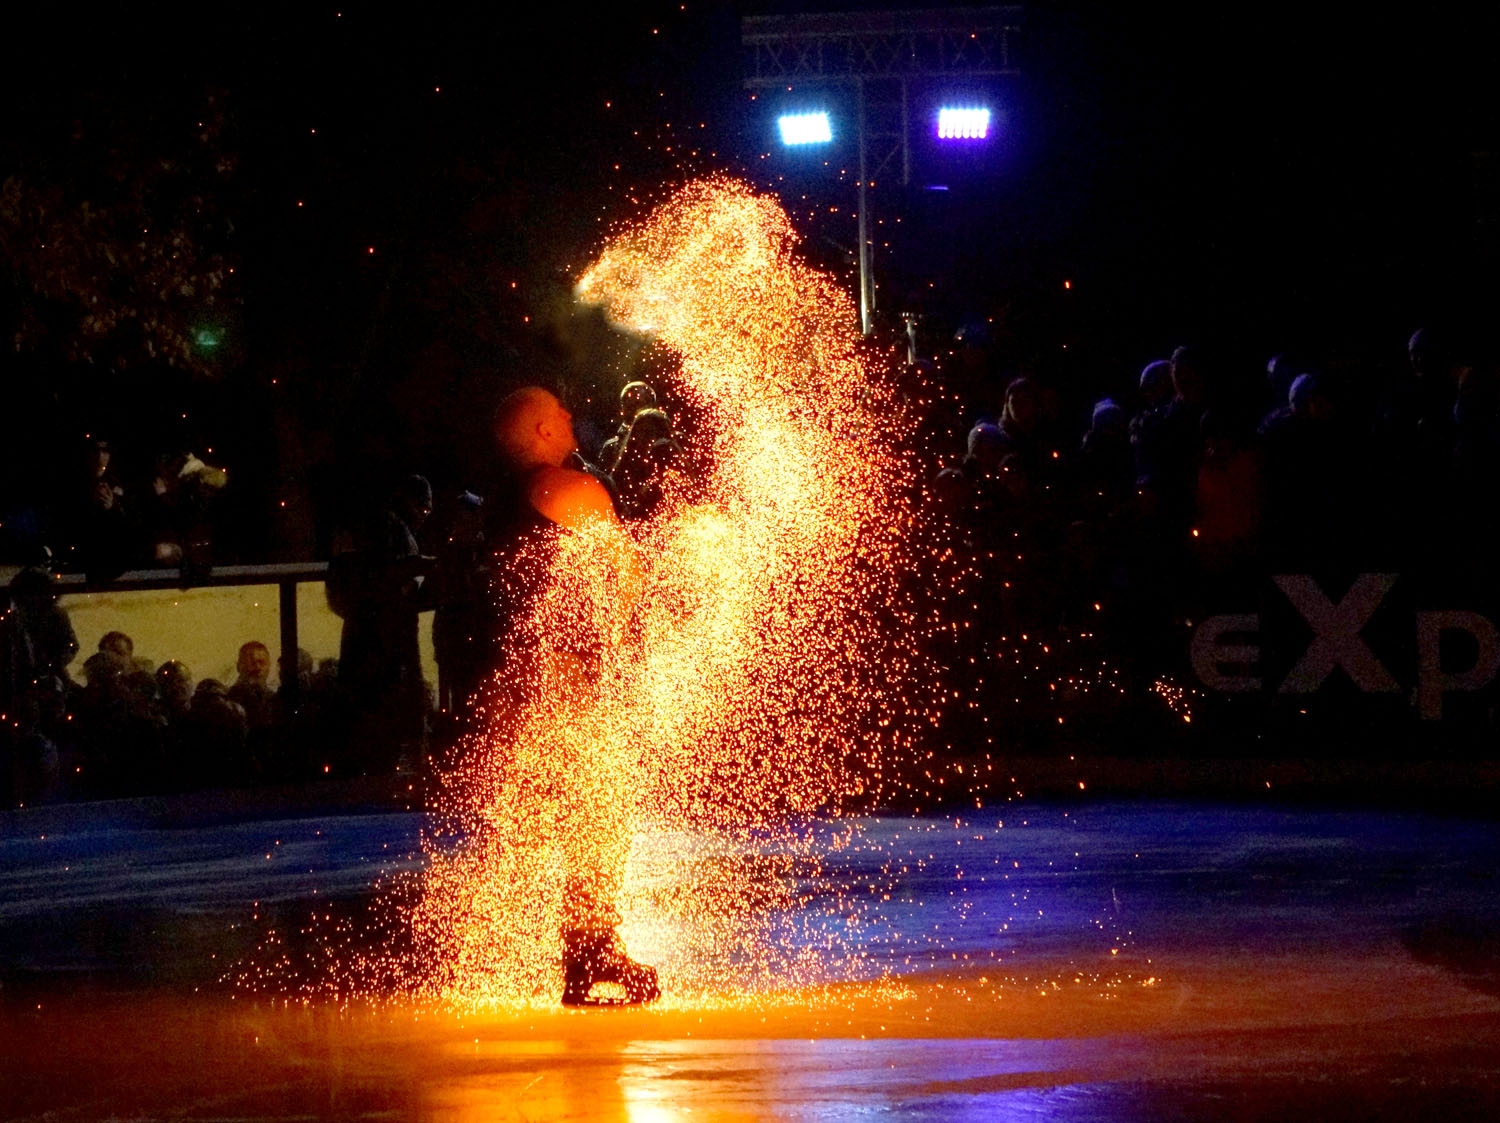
1107, 525
133, 726
1176, 498
130, 726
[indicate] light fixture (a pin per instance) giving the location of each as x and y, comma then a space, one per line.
963, 124
805, 128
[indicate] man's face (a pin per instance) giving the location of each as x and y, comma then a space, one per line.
415, 511
255, 663
121, 648
1022, 403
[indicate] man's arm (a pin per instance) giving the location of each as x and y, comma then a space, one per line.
577, 501
570, 498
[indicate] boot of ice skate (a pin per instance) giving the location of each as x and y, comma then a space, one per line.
593, 955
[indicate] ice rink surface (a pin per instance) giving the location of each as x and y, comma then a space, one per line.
1089, 961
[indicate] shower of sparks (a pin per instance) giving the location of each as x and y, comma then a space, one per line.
742, 652
1179, 699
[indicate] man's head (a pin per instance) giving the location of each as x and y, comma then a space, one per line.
1187, 375
1108, 417
102, 669
175, 680
1013, 476
254, 662
1281, 371
209, 691
119, 645
33, 587
950, 489
413, 501
646, 426
1308, 398
636, 396
1020, 412
1421, 352
986, 445
1156, 383
533, 429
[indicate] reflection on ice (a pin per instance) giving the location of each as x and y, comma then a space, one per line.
1277, 941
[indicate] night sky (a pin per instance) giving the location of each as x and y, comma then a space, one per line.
404, 196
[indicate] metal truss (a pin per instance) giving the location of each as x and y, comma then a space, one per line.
844, 47
878, 54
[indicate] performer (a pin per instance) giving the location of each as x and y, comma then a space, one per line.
534, 434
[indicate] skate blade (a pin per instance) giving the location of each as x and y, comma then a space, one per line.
611, 994
604, 1003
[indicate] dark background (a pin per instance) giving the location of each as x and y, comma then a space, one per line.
405, 197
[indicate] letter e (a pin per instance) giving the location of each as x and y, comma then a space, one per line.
1207, 653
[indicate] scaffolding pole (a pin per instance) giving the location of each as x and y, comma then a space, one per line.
866, 281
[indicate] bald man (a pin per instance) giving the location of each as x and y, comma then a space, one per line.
534, 434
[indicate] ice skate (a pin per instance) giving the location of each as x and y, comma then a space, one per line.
596, 970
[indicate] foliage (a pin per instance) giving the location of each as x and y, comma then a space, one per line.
114, 245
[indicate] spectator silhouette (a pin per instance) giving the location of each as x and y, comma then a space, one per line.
1021, 422
106, 532
1229, 499
174, 689
635, 397
648, 450
1475, 469
178, 508
1173, 459
102, 711
120, 647
378, 589
1311, 476
252, 689
1146, 425
174, 682
1105, 468
952, 493
36, 645
986, 445
461, 637
217, 738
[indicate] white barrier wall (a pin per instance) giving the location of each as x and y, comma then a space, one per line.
204, 627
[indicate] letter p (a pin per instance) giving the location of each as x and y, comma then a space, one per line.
1432, 681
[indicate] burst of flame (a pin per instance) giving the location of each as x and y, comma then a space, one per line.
720, 660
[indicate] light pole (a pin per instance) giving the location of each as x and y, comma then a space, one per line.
886, 50
866, 280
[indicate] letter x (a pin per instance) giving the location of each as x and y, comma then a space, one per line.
1336, 628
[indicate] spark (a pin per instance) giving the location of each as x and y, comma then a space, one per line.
694, 754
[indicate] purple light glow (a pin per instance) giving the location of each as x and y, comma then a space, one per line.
963, 124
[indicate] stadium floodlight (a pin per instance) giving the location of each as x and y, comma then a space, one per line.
963, 124
805, 128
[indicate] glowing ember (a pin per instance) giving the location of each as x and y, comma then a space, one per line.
731, 652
